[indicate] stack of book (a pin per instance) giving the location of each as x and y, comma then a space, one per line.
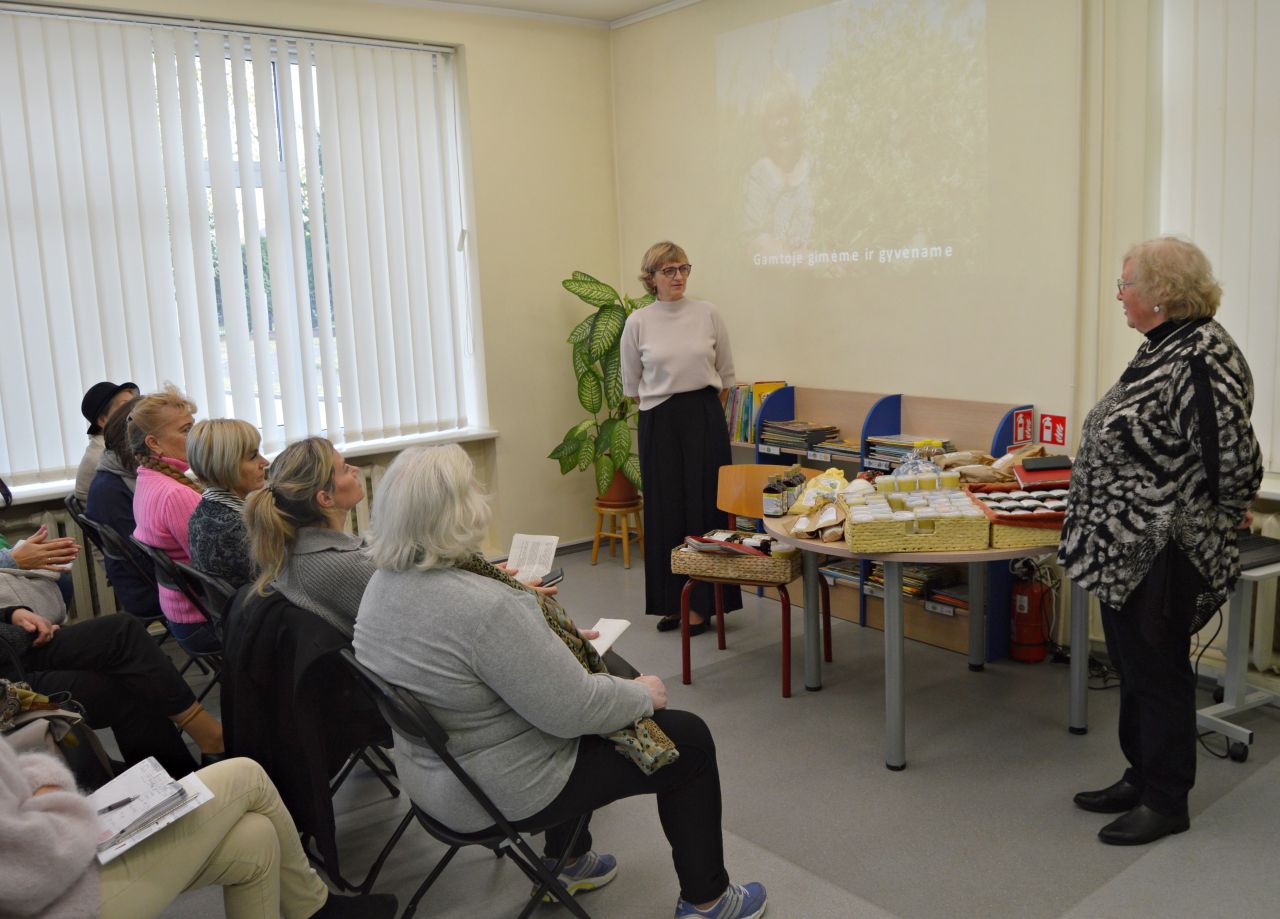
917, 580
956, 595
796, 435
887, 451
847, 573
738, 413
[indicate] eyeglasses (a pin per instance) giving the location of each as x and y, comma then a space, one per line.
672, 270
1121, 284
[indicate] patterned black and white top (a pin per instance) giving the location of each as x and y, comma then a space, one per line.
1167, 455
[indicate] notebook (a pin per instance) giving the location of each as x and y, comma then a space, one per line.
139, 802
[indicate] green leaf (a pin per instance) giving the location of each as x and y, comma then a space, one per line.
590, 392
620, 441
581, 360
631, 469
613, 378
597, 293
581, 330
579, 430
586, 452
583, 276
606, 434
609, 321
568, 464
604, 474
645, 300
564, 448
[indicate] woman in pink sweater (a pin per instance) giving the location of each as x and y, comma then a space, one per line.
164, 500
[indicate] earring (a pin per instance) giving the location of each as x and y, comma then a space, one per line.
1157, 309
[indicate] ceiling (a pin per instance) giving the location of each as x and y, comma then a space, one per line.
604, 12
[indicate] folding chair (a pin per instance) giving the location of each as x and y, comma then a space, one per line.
739, 493
217, 592
410, 719
171, 577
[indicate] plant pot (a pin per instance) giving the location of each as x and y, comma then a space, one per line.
620, 493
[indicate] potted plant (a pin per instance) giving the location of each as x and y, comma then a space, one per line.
606, 439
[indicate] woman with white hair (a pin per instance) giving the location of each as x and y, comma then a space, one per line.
224, 453
536, 719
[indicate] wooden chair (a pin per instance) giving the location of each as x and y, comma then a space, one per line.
739, 493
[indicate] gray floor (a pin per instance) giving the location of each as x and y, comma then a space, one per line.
979, 824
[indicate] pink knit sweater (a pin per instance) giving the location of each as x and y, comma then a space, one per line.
161, 509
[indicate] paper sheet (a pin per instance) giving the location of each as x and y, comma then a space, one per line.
197, 793
609, 630
532, 556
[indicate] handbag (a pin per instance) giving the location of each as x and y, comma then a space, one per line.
33, 722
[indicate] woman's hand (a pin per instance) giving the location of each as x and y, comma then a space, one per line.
38, 551
657, 691
535, 583
589, 634
38, 626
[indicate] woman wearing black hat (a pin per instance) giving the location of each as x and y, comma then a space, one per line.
96, 406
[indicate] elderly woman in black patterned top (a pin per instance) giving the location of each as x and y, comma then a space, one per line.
224, 452
1167, 466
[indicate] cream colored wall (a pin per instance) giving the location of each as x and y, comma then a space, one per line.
542, 161
1067, 131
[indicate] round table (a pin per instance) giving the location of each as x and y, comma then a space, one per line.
894, 706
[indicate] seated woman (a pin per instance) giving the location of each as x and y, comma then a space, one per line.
164, 501
117, 673
223, 452
297, 532
243, 840
111, 503
538, 721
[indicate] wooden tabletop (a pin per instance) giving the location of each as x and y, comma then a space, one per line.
780, 529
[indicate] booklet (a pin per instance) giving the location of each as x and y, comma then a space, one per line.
141, 801
609, 630
532, 556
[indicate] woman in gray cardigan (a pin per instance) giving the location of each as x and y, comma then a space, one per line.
530, 712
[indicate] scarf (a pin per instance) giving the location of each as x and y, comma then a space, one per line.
226, 498
644, 743
111, 463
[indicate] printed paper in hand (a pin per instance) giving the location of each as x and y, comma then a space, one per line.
155, 801
532, 556
609, 630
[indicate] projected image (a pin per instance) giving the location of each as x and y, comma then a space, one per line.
856, 135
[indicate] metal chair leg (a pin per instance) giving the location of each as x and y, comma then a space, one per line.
686, 672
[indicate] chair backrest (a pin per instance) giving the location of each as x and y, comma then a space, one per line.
216, 591
112, 543
170, 576
740, 488
76, 509
409, 718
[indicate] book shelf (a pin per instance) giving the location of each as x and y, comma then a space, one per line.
986, 426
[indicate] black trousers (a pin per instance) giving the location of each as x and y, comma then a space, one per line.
683, 444
114, 669
1149, 642
688, 793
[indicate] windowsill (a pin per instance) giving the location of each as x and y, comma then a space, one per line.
45, 491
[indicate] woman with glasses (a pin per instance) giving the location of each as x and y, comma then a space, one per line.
676, 360
1167, 467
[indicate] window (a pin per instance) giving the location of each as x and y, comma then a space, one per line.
273, 223
1220, 173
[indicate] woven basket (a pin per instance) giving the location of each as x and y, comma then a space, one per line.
950, 534
735, 567
1036, 530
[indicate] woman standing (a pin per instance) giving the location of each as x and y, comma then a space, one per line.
224, 453
676, 360
164, 500
1168, 464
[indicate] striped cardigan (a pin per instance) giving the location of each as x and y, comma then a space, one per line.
1167, 455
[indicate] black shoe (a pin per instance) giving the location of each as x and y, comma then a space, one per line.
361, 906
1141, 826
672, 623
208, 759
1114, 799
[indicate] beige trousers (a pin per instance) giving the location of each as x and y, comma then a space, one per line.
243, 840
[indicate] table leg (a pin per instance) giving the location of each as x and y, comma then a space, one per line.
895, 715
812, 623
1078, 723
1235, 672
977, 615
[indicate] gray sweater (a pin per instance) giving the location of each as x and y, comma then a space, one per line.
512, 696
326, 573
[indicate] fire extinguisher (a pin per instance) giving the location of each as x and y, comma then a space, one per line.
1029, 637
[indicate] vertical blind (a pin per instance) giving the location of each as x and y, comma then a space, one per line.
1220, 177
273, 223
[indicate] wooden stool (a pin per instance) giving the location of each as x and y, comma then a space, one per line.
619, 531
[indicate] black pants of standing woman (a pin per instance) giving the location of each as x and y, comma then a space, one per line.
683, 443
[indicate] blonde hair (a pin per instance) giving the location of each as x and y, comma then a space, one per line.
428, 512
149, 415
1175, 274
217, 446
654, 258
274, 513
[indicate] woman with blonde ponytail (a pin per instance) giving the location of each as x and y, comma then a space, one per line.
297, 532
164, 500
